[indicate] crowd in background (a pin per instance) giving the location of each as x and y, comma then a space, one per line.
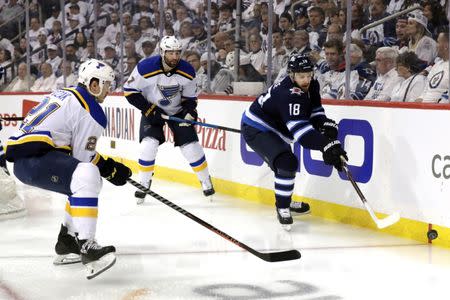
402, 59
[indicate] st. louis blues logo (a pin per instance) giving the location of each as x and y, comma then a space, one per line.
168, 93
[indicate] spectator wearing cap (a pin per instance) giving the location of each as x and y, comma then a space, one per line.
409, 67
436, 87
112, 29
301, 20
47, 80
226, 20
73, 28
53, 59
387, 76
419, 40
23, 80
41, 55
55, 15
83, 7
74, 10
382, 34
148, 48
181, 16
110, 56
67, 73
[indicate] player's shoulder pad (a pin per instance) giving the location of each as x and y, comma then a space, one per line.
185, 69
150, 66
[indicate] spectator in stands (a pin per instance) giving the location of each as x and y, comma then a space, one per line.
419, 41
112, 29
387, 76
382, 34
143, 10
6, 44
55, 35
89, 52
402, 37
185, 34
215, 68
285, 23
80, 42
7, 14
409, 67
5, 61
134, 33
226, 20
437, 20
73, 29
110, 56
22, 82
53, 59
74, 10
47, 80
130, 50
35, 28
71, 55
130, 63
147, 28
198, 41
148, 48
331, 70
101, 15
182, 16
257, 55
278, 53
65, 68
41, 55
335, 32
301, 20
436, 87
316, 29
83, 6
56, 15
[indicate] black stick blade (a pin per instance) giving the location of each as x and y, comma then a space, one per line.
279, 256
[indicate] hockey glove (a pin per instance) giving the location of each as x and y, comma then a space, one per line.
114, 171
332, 153
153, 115
329, 129
189, 112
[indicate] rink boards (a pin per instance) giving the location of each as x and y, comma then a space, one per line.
399, 154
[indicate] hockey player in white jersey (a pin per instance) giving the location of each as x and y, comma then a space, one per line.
166, 84
54, 149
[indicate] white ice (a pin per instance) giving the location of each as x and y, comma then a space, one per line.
162, 254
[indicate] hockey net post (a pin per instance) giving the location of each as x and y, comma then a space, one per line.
11, 205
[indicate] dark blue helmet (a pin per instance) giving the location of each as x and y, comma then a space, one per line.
299, 63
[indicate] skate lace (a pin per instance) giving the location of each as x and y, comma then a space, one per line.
284, 212
90, 244
295, 204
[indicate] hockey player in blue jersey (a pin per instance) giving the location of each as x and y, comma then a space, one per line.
54, 149
166, 84
291, 111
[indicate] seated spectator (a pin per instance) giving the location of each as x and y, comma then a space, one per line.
437, 20
56, 15
382, 34
74, 10
419, 41
41, 55
80, 42
226, 20
47, 81
55, 36
110, 56
8, 12
401, 45
385, 60
6, 44
65, 68
89, 52
203, 77
5, 61
148, 48
332, 70
53, 59
436, 87
409, 67
316, 29
35, 29
198, 41
22, 82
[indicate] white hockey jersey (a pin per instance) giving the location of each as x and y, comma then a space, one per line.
382, 88
409, 89
166, 90
436, 87
70, 120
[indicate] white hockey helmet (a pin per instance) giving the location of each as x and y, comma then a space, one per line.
169, 43
94, 68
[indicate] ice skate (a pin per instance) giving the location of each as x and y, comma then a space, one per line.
66, 248
96, 258
140, 195
285, 218
300, 207
207, 187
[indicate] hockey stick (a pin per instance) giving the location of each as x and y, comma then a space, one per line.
270, 257
180, 120
11, 119
381, 223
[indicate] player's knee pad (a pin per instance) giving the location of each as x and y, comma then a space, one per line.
86, 180
149, 148
285, 164
192, 151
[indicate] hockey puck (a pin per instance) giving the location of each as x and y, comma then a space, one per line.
432, 234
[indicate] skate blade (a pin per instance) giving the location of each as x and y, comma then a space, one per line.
95, 268
140, 201
286, 227
67, 259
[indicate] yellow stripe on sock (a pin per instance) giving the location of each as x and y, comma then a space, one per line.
81, 212
200, 167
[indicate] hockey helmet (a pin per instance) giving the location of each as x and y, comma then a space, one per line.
299, 63
170, 43
97, 69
